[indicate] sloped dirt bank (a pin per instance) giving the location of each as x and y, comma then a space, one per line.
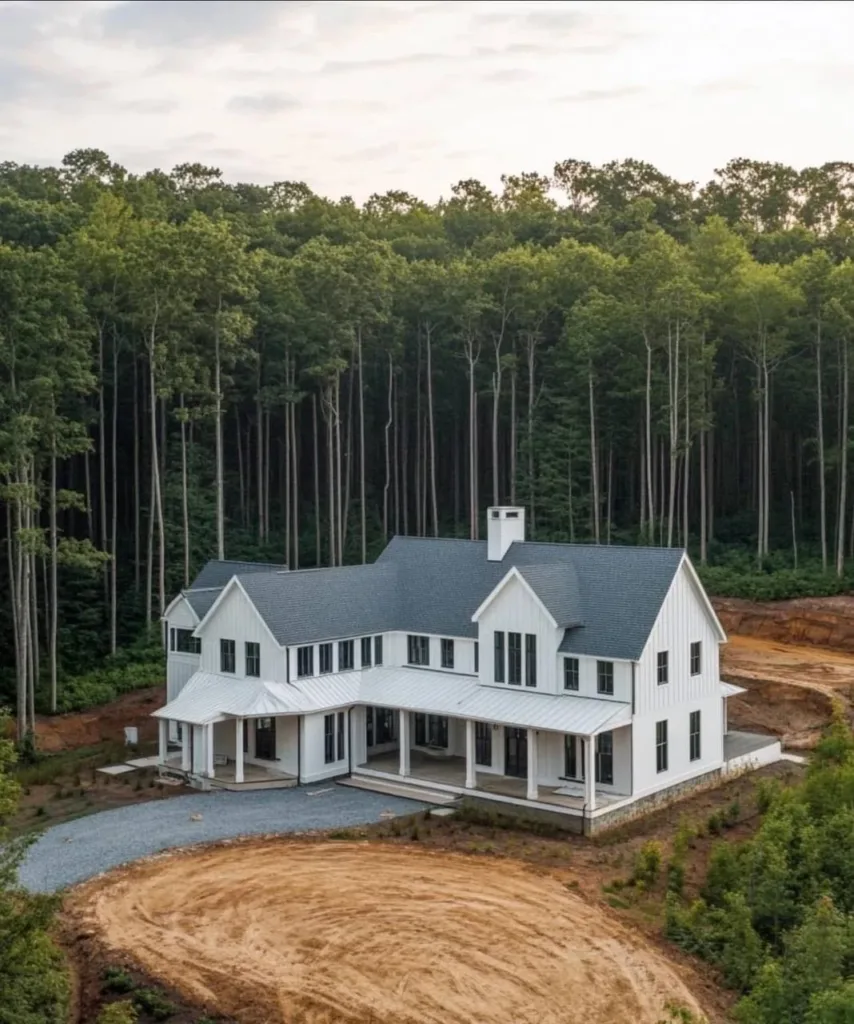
354, 932
819, 621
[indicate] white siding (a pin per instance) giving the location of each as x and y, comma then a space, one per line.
396, 652
588, 685
313, 766
179, 666
679, 765
514, 610
236, 619
551, 762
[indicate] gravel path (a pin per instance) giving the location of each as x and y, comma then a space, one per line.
80, 849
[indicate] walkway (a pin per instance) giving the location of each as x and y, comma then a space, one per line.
80, 849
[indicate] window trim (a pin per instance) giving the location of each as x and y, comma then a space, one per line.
378, 649
256, 657
661, 756
662, 667
324, 665
446, 647
340, 737
699, 657
366, 645
230, 652
301, 657
571, 668
605, 673
499, 659
349, 646
695, 750
604, 757
179, 635
530, 659
329, 738
514, 659
483, 744
417, 649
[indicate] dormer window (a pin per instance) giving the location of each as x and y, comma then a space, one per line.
227, 655
305, 661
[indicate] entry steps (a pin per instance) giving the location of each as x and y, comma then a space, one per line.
424, 796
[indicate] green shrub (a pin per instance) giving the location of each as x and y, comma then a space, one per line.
154, 1002
715, 824
647, 864
122, 1012
116, 979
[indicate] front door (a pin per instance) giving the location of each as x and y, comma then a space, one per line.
265, 739
516, 752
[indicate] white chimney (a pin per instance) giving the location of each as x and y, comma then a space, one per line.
504, 525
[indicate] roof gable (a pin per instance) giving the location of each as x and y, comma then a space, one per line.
217, 572
513, 574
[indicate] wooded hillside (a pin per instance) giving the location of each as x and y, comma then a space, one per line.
190, 368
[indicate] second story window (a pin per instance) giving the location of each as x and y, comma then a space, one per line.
418, 650
514, 659
476, 656
366, 645
305, 661
324, 657
447, 653
253, 659
378, 650
345, 655
662, 667
530, 659
183, 642
227, 656
499, 657
570, 674
696, 658
605, 677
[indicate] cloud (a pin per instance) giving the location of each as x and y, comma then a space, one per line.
601, 95
149, 106
265, 103
337, 67
508, 76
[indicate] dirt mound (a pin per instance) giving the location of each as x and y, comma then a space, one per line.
56, 733
352, 932
823, 621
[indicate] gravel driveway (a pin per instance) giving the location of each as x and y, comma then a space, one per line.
77, 850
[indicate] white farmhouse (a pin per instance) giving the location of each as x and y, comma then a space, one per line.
573, 679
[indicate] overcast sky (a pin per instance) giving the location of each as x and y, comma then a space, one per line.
358, 97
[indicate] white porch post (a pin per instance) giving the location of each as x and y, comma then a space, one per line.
238, 750
209, 750
186, 740
404, 742
471, 780
590, 772
162, 736
533, 792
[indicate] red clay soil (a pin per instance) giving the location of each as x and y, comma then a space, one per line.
819, 621
57, 733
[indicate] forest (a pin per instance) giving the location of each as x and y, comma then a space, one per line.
191, 368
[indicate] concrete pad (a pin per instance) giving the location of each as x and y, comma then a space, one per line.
144, 762
116, 769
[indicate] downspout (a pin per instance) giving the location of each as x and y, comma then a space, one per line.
300, 719
349, 741
632, 753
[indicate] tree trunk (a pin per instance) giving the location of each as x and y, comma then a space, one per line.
102, 457
432, 432
496, 406
220, 487
594, 457
137, 485
158, 501
531, 353
295, 468
241, 481
822, 482
316, 468
388, 423
513, 441
362, 510
650, 493
673, 387
843, 464
259, 459
341, 525
114, 509
473, 510
54, 587
185, 505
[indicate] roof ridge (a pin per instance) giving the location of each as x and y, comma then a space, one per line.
597, 547
324, 568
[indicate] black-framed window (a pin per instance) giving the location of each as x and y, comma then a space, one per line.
305, 661
420, 729
437, 731
661, 746
514, 659
447, 653
499, 656
694, 735
573, 757
378, 650
345, 655
253, 659
227, 655
328, 739
418, 649
571, 676
605, 758
530, 659
476, 656
385, 725
483, 744
605, 677
696, 658
367, 648
340, 735
324, 658
183, 641
663, 667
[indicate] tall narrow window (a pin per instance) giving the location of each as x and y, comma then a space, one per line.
184, 642
570, 674
514, 659
345, 655
420, 730
605, 677
499, 656
605, 758
172, 639
378, 650
227, 655
328, 739
483, 744
324, 657
694, 735
437, 731
418, 650
696, 658
305, 661
366, 645
662, 666
530, 659
573, 757
340, 736
476, 656
253, 659
661, 746
447, 653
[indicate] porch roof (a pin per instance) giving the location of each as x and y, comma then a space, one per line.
211, 697
731, 690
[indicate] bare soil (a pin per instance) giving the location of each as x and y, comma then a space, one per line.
819, 621
351, 932
56, 733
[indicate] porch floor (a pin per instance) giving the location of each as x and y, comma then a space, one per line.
737, 744
255, 776
451, 771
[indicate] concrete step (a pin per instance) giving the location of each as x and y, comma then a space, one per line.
401, 789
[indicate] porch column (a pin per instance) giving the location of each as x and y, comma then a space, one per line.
186, 740
590, 773
209, 750
533, 792
403, 732
471, 780
163, 739
238, 750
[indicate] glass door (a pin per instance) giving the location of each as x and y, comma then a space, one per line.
265, 739
516, 752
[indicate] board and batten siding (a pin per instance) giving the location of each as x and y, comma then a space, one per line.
588, 678
515, 610
313, 767
235, 618
179, 665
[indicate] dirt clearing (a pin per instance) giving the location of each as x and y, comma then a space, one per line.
309, 933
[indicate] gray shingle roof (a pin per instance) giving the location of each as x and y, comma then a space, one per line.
201, 600
557, 587
216, 572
